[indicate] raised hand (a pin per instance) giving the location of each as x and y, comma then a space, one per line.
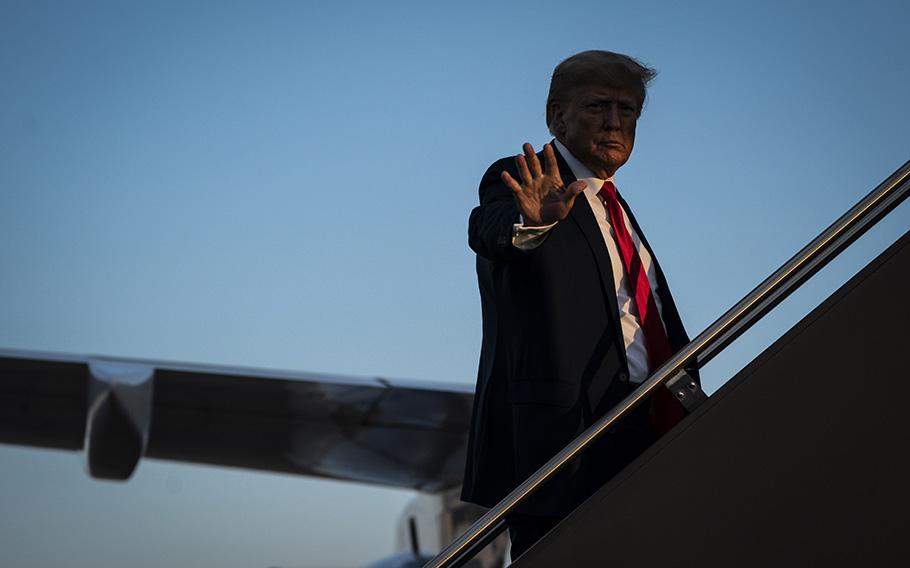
541, 196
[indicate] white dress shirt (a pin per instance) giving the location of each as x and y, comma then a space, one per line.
527, 238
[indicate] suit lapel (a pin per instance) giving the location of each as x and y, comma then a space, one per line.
583, 217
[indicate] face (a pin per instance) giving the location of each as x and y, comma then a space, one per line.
598, 127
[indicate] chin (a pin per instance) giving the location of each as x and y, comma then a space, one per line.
618, 159
611, 163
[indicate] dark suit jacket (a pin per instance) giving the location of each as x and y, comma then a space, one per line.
552, 358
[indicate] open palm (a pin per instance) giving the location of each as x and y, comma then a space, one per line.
541, 196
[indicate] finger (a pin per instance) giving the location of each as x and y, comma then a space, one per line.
523, 171
531, 157
550, 156
510, 182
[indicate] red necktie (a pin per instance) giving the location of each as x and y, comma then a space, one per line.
665, 410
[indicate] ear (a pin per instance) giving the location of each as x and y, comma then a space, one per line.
556, 118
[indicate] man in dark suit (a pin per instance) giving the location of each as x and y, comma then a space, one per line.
576, 310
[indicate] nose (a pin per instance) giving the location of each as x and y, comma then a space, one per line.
611, 120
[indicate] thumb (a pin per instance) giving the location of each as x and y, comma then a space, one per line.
573, 190
576, 187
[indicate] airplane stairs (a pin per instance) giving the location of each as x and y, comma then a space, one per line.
802, 459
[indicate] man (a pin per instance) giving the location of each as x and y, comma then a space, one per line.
576, 310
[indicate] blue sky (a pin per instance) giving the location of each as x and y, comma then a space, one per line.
287, 185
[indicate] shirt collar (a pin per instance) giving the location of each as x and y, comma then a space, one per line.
581, 171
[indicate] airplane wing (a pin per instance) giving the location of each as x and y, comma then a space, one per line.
381, 431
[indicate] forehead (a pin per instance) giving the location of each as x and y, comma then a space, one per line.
590, 93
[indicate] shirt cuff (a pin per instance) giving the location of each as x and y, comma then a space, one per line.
529, 238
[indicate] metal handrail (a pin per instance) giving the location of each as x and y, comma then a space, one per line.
850, 226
